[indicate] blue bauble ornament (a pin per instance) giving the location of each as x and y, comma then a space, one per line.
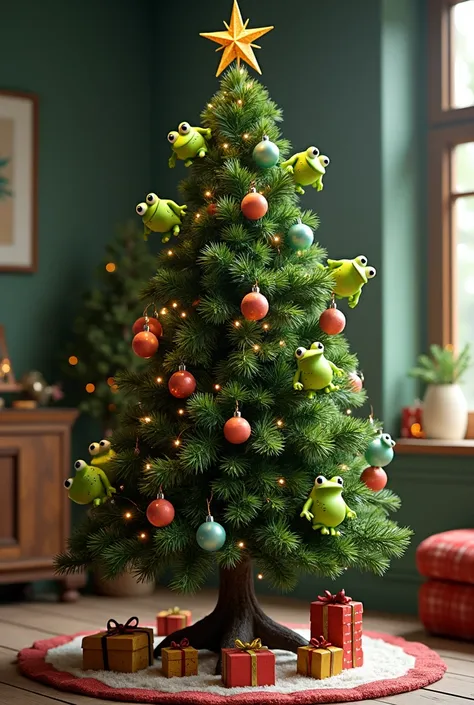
300, 237
266, 154
380, 451
210, 535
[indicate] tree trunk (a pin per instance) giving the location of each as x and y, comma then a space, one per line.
237, 615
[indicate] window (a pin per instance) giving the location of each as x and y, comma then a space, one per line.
451, 177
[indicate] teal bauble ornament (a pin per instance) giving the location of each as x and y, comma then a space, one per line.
210, 535
300, 237
266, 154
380, 451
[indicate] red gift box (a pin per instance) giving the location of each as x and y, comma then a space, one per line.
248, 664
169, 621
412, 426
338, 619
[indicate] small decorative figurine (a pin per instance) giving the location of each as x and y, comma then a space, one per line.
160, 215
314, 371
380, 451
350, 276
101, 453
307, 168
88, 485
327, 505
188, 143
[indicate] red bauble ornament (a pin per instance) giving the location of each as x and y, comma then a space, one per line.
160, 512
374, 478
182, 384
332, 321
236, 429
254, 205
145, 344
153, 324
254, 306
355, 381
212, 209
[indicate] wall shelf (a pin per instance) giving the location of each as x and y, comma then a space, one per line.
427, 446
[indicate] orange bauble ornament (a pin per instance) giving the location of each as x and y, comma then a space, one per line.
212, 209
145, 344
182, 384
254, 205
374, 478
160, 512
236, 429
153, 324
332, 321
254, 306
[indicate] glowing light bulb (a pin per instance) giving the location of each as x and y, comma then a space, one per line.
143, 535
281, 481
148, 466
159, 380
279, 423
260, 576
226, 145
175, 304
128, 515
146, 419
110, 381
207, 194
348, 412
281, 343
110, 267
343, 468
210, 106
241, 544
256, 348
266, 326
276, 238
180, 412
177, 442
183, 314
170, 253
72, 360
245, 136
217, 387
164, 311
240, 101
237, 324
197, 216
90, 388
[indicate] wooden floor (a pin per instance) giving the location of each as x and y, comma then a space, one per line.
21, 624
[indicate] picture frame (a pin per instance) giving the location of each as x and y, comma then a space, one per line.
18, 181
7, 378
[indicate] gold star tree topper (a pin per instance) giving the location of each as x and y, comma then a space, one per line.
237, 41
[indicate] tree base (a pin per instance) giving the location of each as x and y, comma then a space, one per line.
237, 615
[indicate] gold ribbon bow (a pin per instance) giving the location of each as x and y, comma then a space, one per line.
251, 647
174, 610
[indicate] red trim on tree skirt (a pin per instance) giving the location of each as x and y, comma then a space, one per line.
428, 669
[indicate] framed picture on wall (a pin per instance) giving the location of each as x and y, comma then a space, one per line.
18, 181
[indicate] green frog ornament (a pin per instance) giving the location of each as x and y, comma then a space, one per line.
314, 371
350, 276
307, 168
325, 506
188, 143
101, 454
89, 484
160, 215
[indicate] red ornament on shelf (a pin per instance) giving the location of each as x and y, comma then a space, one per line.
355, 381
254, 306
212, 209
236, 429
254, 205
145, 344
182, 384
160, 512
153, 324
332, 321
374, 478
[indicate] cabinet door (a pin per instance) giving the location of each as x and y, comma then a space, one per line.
31, 501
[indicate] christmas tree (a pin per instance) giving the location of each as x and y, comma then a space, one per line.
102, 328
240, 432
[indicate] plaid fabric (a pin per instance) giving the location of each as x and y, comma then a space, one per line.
447, 608
449, 556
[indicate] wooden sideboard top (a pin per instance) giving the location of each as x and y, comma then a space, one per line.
41, 415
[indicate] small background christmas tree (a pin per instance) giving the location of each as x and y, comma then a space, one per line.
4, 190
103, 327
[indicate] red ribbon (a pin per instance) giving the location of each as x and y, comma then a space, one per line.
182, 645
114, 628
320, 643
340, 598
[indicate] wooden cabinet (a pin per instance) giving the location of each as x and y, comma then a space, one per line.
35, 459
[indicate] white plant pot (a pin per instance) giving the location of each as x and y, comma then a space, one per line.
445, 412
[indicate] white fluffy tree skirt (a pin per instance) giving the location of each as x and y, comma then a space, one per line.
381, 661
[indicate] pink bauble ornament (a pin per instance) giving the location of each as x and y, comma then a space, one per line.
145, 344
160, 512
355, 381
236, 429
374, 478
182, 384
332, 321
254, 306
254, 205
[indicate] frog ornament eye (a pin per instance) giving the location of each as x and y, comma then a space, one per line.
151, 199
362, 260
300, 352
104, 445
68, 483
94, 449
320, 480
173, 136
141, 209
80, 465
184, 128
324, 160
388, 440
370, 272
312, 152
338, 480
318, 346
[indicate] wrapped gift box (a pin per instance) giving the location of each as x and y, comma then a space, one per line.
125, 648
179, 660
169, 621
248, 664
411, 423
320, 659
338, 619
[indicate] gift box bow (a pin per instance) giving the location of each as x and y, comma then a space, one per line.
249, 646
319, 643
115, 628
340, 598
174, 610
183, 644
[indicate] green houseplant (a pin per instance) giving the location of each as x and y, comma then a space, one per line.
445, 412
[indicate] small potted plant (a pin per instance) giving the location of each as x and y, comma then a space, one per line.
445, 412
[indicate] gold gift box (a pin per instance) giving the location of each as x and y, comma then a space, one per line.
179, 662
319, 663
127, 653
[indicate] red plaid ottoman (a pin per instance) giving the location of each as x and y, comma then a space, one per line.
446, 604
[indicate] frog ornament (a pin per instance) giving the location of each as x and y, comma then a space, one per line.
188, 143
160, 215
307, 168
380, 451
101, 454
89, 484
350, 275
325, 506
314, 371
